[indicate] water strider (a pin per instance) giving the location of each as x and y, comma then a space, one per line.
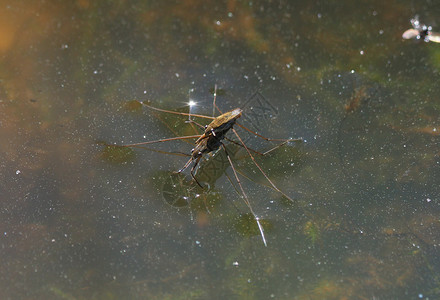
421, 31
212, 140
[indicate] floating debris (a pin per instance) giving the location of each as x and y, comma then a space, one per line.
421, 32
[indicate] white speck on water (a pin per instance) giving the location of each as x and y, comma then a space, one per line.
298, 69
235, 263
53, 240
198, 242
95, 72
230, 14
362, 52
145, 92
177, 75
428, 200
17, 172
218, 23
381, 31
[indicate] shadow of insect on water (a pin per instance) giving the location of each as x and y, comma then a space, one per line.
178, 191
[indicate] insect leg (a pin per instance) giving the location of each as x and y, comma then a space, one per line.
186, 165
261, 170
245, 197
176, 112
193, 168
162, 140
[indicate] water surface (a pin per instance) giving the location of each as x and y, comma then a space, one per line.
80, 220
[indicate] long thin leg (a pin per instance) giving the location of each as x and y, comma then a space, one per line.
265, 138
261, 170
257, 152
177, 113
185, 166
156, 150
245, 197
170, 128
194, 122
196, 162
162, 140
192, 171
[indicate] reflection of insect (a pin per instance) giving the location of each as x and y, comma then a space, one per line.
421, 32
212, 140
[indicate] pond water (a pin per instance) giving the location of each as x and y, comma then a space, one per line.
83, 219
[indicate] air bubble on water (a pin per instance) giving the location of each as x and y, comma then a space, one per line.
17, 172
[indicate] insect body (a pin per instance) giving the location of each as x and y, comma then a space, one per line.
211, 139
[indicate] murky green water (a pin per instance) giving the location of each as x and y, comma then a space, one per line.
80, 220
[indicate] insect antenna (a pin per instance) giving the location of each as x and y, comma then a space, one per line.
214, 105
